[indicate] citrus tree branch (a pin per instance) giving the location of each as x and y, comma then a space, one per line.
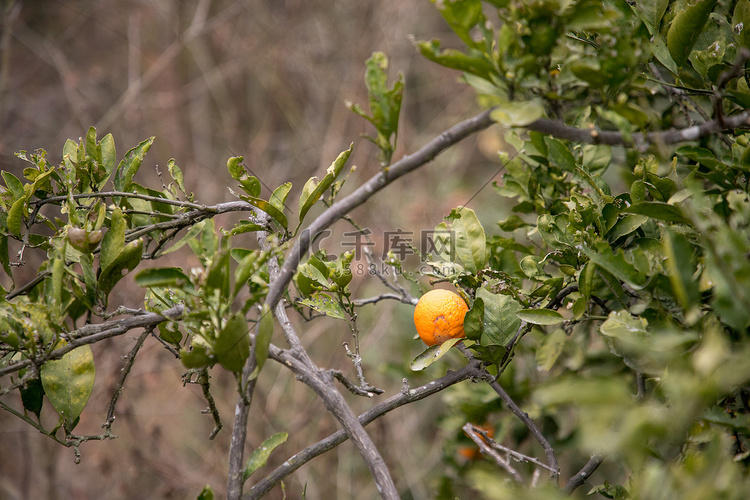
92, 333
322, 383
560, 130
406, 396
574, 482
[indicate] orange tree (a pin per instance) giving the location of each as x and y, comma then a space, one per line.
608, 313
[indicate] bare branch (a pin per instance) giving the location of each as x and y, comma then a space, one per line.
574, 482
124, 372
554, 468
203, 380
367, 392
383, 296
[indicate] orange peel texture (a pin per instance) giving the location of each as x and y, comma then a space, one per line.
439, 316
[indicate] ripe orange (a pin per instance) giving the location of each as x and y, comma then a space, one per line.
439, 316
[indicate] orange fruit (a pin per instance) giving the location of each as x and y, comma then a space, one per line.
472, 452
439, 316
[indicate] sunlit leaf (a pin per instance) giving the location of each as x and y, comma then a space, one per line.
470, 238
324, 304
432, 354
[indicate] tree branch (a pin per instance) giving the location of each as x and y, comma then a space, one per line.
574, 482
404, 397
90, 334
322, 383
672, 136
481, 442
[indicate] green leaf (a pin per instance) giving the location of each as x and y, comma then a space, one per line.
540, 316
686, 27
681, 264
14, 185
232, 347
385, 103
263, 339
268, 208
68, 383
108, 158
616, 264
127, 260
473, 62
324, 304
243, 271
113, 240
626, 225
196, 357
471, 242
432, 354
560, 155
176, 174
517, 113
657, 210
206, 494
313, 190
236, 168
474, 321
741, 23
130, 165
651, 11
251, 186
192, 233
32, 396
550, 349
260, 455
16, 216
278, 198
161, 276
217, 274
461, 16
500, 320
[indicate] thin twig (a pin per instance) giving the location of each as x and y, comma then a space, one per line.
518, 457
124, 372
480, 441
355, 389
203, 380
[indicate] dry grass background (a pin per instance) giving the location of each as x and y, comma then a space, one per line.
265, 79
